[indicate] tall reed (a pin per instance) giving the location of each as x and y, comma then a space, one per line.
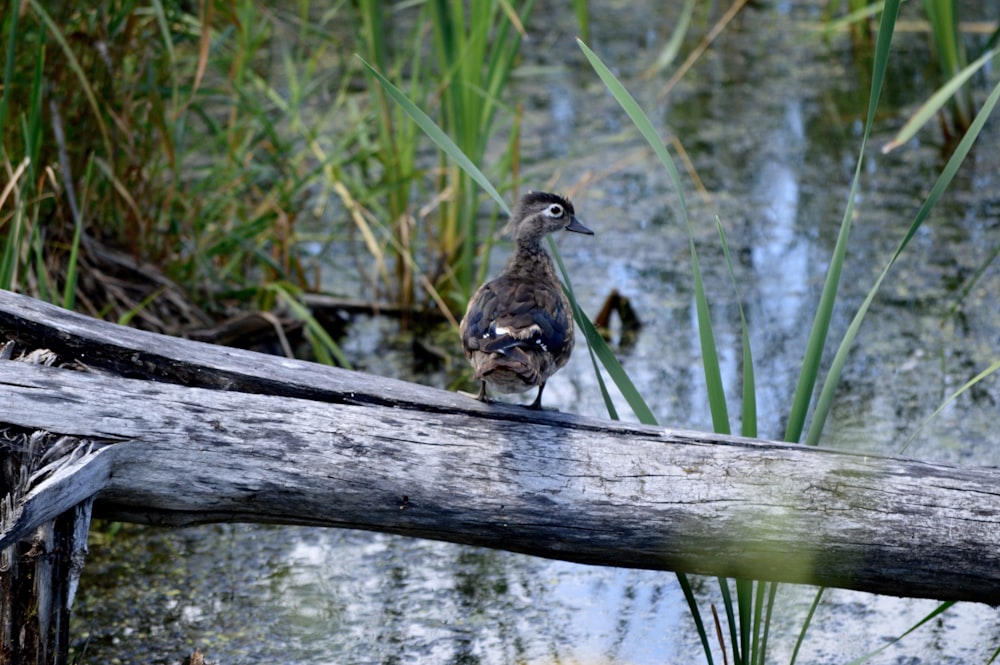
428, 216
155, 130
394, 148
50, 100
750, 617
475, 45
953, 103
949, 47
755, 607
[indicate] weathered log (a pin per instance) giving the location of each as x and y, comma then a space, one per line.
223, 434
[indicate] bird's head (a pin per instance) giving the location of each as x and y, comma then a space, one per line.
540, 213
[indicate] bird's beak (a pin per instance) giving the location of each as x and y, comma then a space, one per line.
575, 226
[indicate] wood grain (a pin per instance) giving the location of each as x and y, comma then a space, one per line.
225, 435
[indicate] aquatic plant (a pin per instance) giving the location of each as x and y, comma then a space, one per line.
393, 148
475, 54
184, 154
952, 104
152, 130
205, 132
749, 617
755, 607
949, 47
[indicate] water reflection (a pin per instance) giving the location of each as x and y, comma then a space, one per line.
294, 595
780, 256
340, 596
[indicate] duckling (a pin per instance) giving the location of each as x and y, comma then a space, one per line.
518, 328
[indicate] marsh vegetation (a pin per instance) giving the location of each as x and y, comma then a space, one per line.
175, 166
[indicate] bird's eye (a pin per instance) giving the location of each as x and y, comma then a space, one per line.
555, 210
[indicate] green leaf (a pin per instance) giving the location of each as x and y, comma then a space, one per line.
825, 401
951, 398
710, 358
855, 16
935, 612
698, 623
932, 106
327, 351
676, 41
727, 603
824, 312
600, 348
639, 119
442, 140
805, 624
748, 417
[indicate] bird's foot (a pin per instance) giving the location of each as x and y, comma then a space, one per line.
537, 404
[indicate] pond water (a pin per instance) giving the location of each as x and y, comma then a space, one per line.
771, 118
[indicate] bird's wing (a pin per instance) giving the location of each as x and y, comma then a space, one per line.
506, 314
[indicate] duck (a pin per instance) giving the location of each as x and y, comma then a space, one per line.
518, 328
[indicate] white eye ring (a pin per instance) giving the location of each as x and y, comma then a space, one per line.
555, 210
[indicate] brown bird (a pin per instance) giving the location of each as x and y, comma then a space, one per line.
518, 328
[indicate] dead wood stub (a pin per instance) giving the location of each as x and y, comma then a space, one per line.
38, 574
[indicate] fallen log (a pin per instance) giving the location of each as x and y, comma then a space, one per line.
169, 431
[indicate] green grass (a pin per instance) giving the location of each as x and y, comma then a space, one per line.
394, 150
182, 154
475, 47
202, 167
198, 164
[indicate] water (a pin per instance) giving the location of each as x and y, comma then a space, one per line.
771, 118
